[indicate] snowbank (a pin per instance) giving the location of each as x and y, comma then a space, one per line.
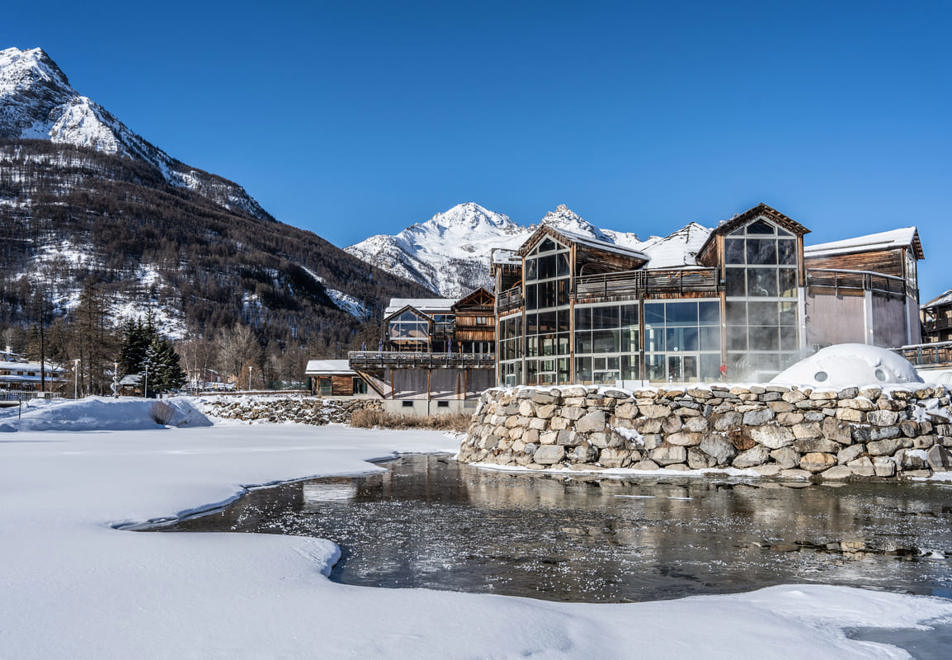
849, 365
105, 414
73, 586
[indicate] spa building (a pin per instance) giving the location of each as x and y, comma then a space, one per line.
738, 302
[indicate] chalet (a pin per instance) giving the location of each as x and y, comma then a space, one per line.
741, 301
438, 357
335, 379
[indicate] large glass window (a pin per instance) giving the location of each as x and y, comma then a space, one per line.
510, 350
683, 340
408, 326
548, 321
761, 290
606, 343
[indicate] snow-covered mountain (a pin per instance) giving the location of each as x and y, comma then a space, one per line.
88, 206
37, 102
450, 252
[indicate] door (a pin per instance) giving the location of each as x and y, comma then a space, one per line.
675, 374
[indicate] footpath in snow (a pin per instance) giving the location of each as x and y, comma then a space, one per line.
71, 585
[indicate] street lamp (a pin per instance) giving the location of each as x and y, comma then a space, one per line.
145, 391
76, 378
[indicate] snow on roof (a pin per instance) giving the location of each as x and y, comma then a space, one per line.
505, 257
328, 367
884, 240
425, 305
943, 299
677, 249
601, 245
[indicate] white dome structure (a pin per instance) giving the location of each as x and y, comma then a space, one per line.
847, 365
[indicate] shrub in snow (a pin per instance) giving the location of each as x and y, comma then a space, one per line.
845, 365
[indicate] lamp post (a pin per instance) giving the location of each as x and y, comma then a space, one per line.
145, 391
250, 370
76, 378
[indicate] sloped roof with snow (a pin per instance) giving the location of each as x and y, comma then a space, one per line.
425, 305
328, 367
885, 240
678, 249
504, 257
942, 299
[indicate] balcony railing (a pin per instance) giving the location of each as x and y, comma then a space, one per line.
509, 300
937, 354
642, 283
935, 325
854, 281
408, 360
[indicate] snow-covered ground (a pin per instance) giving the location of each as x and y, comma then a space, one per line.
73, 586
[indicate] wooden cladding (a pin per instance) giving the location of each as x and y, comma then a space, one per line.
887, 262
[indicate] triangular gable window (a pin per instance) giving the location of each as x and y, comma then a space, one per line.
760, 227
410, 316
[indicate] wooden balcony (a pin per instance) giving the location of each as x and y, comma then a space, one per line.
936, 325
370, 360
636, 284
509, 300
938, 354
830, 281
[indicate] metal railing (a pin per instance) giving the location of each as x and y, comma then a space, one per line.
27, 395
405, 360
641, 283
849, 281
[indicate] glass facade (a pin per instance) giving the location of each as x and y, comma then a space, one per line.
409, 327
748, 323
510, 350
607, 347
683, 340
548, 317
761, 292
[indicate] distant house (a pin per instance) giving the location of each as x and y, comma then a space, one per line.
19, 374
334, 378
937, 319
438, 355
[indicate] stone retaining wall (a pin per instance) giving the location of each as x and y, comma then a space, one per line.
779, 431
281, 409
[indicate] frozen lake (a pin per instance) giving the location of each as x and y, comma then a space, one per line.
431, 522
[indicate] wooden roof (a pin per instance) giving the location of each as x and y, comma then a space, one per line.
477, 298
411, 308
761, 210
634, 257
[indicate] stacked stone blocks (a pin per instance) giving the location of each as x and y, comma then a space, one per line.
777, 431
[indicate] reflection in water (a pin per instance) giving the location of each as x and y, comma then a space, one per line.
431, 522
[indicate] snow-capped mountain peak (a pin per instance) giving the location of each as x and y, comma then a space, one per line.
37, 102
566, 219
450, 252
22, 69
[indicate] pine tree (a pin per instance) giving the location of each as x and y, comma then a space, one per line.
135, 344
165, 364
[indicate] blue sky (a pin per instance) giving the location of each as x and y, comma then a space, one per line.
353, 118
